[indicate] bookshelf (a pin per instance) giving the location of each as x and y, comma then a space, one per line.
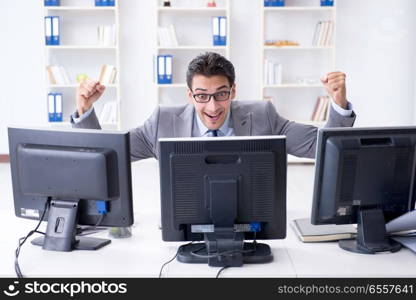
192, 22
81, 52
295, 90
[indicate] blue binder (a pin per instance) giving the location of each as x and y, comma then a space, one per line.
267, 3
48, 30
223, 31
52, 2
327, 2
277, 2
58, 107
111, 2
56, 30
51, 107
168, 69
98, 3
216, 31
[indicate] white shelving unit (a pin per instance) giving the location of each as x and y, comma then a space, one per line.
296, 21
193, 26
80, 52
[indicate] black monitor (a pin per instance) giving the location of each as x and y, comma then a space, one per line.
223, 190
364, 176
83, 175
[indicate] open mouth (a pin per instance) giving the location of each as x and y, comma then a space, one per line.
213, 117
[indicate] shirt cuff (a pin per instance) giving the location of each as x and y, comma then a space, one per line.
343, 112
76, 118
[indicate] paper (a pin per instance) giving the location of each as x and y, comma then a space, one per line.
402, 223
408, 242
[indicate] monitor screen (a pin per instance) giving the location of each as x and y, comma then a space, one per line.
364, 176
223, 190
83, 176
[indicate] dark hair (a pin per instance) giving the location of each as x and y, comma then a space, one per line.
210, 64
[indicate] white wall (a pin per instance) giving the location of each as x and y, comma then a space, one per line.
375, 47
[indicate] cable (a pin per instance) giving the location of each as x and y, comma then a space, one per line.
169, 261
91, 229
22, 240
219, 272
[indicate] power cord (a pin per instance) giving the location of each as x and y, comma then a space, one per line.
169, 261
22, 240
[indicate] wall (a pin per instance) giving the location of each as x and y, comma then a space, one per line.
375, 48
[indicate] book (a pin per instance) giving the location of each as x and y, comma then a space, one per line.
308, 233
107, 74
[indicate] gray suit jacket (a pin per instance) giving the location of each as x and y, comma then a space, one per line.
247, 118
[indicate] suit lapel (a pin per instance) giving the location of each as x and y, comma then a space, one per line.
182, 124
241, 122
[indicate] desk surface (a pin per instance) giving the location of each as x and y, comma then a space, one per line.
143, 254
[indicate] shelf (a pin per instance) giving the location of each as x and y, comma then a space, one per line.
192, 9
80, 47
192, 48
299, 8
292, 85
75, 85
172, 85
297, 48
80, 8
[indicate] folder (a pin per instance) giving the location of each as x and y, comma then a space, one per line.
160, 69
48, 30
55, 31
51, 107
277, 2
52, 2
223, 31
98, 3
267, 3
216, 30
111, 2
168, 68
58, 107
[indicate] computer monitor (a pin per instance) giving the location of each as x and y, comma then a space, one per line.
364, 176
223, 190
84, 175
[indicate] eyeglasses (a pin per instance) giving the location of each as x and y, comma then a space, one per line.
218, 96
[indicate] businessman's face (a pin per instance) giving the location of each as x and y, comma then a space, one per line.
211, 112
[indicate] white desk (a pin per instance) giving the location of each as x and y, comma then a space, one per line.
143, 254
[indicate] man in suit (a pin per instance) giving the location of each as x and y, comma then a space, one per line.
212, 111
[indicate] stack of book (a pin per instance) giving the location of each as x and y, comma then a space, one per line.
167, 36
323, 34
107, 74
320, 110
108, 114
272, 72
57, 75
107, 35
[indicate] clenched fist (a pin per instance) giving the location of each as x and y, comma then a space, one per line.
334, 84
88, 92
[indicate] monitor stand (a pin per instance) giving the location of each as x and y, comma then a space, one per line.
371, 234
224, 247
61, 230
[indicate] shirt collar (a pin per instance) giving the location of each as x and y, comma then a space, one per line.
202, 129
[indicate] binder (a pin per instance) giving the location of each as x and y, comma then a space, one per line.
216, 31
51, 107
104, 2
277, 2
327, 2
58, 107
52, 2
98, 3
223, 31
267, 3
160, 66
55, 31
111, 2
168, 68
48, 30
